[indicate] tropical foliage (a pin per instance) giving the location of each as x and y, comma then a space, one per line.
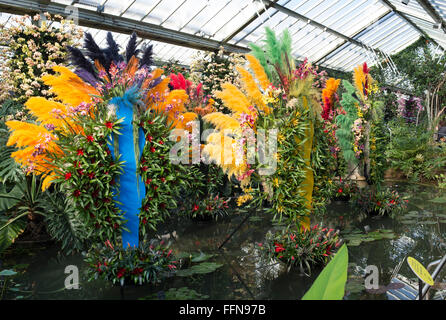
147, 264
307, 249
330, 284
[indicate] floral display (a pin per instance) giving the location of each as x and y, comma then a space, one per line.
383, 202
149, 263
252, 166
307, 249
290, 107
409, 108
97, 102
354, 126
33, 46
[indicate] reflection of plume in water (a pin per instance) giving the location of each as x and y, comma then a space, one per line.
401, 247
257, 267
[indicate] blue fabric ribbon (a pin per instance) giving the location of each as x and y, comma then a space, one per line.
130, 183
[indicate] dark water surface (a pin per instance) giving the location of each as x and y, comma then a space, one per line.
245, 274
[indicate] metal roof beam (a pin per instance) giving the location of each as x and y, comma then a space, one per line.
312, 22
355, 35
405, 18
430, 10
247, 23
92, 19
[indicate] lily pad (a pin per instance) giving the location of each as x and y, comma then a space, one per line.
202, 268
255, 219
439, 200
7, 273
201, 257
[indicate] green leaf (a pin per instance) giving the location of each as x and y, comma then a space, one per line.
330, 284
9, 232
7, 273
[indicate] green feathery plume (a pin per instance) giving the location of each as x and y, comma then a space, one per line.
276, 55
345, 123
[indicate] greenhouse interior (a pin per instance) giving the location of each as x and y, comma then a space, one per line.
220, 150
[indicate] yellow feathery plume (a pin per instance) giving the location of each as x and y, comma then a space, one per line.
25, 134
222, 121
251, 89
234, 99
30, 137
258, 70
68, 87
220, 149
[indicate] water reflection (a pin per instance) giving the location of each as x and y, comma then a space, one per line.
246, 274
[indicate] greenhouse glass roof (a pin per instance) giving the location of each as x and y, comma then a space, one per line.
338, 34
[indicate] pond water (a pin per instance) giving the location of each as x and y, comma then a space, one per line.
420, 232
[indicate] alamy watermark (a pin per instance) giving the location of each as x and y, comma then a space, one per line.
72, 280
229, 146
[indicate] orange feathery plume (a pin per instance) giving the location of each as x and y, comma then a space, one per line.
132, 66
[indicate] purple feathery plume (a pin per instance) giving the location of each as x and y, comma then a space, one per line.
86, 76
131, 50
112, 52
155, 82
94, 52
78, 59
147, 59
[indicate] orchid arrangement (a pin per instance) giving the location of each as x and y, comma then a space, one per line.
213, 70
32, 46
409, 108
